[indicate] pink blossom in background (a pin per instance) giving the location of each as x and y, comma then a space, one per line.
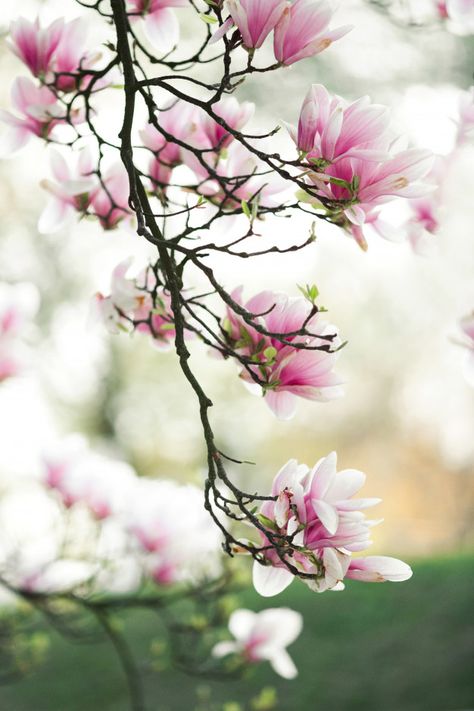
263, 636
179, 541
160, 23
234, 114
255, 19
39, 113
287, 372
71, 191
109, 202
18, 305
303, 30
316, 508
130, 302
80, 475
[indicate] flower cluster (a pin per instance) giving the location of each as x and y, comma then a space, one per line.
300, 28
263, 636
18, 304
164, 524
350, 166
281, 367
137, 303
320, 525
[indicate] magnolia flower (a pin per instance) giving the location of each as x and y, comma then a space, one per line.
159, 21
174, 531
109, 202
302, 30
82, 476
326, 525
211, 133
284, 372
70, 193
40, 113
18, 305
330, 128
255, 19
263, 636
130, 304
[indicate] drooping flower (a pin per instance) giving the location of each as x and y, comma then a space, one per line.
303, 30
70, 193
159, 21
263, 636
285, 370
315, 509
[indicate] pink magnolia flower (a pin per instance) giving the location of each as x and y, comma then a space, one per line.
18, 305
70, 193
316, 510
159, 21
263, 636
172, 528
55, 49
303, 30
39, 110
82, 476
130, 305
255, 19
285, 372
330, 128
109, 202
211, 133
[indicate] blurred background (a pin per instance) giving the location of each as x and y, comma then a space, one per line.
407, 418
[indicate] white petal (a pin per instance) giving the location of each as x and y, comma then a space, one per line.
283, 665
269, 581
223, 648
241, 623
327, 514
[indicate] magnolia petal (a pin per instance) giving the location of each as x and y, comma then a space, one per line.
282, 404
283, 665
241, 623
162, 29
269, 581
327, 514
221, 649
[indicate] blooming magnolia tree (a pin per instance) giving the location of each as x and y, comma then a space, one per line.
189, 177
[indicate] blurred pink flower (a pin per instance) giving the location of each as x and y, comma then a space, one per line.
109, 201
287, 372
316, 509
236, 115
18, 305
263, 636
302, 30
70, 193
40, 113
159, 21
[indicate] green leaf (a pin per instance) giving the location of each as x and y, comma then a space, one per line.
270, 353
207, 18
245, 209
268, 523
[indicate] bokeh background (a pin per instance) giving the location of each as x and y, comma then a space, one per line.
407, 418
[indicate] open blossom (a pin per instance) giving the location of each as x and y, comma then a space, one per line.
179, 540
70, 193
211, 134
263, 636
130, 304
18, 305
285, 372
159, 21
39, 114
316, 509
303, 30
